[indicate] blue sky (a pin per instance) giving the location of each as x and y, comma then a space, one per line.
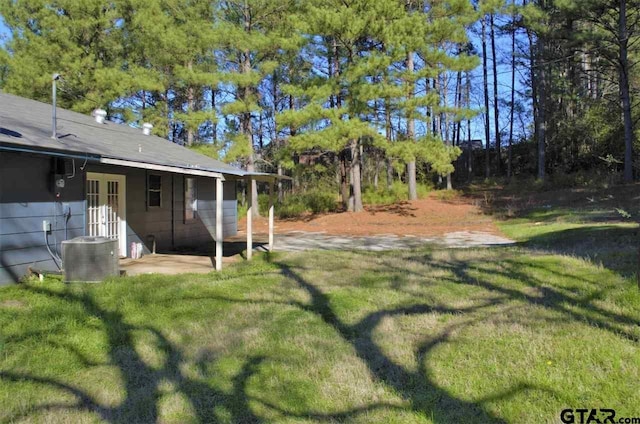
4, 31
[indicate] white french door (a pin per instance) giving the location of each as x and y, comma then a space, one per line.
106, 208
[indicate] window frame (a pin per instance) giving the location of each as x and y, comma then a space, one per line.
190, 199
154, 190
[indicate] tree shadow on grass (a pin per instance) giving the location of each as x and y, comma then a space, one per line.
576, 302
143, 383
616, 248
579, 305
419, 388
141, 380
590, 204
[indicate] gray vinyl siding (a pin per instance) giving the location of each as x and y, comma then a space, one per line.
26, 199
202, 230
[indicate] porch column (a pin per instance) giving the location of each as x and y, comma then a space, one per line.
271, 190
219, 236
250, 207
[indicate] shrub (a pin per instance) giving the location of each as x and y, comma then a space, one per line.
314, 201
424, 190
447, 194
242, 210
290, 210
319, 201
263, 204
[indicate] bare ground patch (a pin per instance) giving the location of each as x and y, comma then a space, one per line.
424, 217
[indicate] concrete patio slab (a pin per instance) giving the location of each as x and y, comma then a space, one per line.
168, 264
298, 241
301, 241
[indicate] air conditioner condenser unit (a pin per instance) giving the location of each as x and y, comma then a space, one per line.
90, 259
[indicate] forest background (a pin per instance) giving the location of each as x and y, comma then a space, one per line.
362, 101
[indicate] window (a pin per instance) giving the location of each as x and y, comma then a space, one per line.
190, 199
154, 191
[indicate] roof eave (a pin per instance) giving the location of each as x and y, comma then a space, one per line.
157, 167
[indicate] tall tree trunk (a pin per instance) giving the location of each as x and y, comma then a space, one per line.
356, 177
533, 63
376, 171
336, 102
275, 137
261, 131
191, 103
437, 130
469, 141
245, 117
411, 131
487, 167
168, 112
437, 85
592, 74
513, 98
292, 132
280, 186
344, 179
496, 106
411, 180
445, 118
389, 135
624, 93
542, 106
214, 122
459, 105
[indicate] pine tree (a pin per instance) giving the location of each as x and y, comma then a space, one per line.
253, 34
79, 39
170, 55
618, 29
336, 108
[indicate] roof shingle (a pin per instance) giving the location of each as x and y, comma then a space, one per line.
27, 123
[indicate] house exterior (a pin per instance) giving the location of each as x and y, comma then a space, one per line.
103, 179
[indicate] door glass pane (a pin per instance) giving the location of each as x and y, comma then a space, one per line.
105, 207
112, 214
93, 207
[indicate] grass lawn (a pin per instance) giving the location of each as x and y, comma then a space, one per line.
445, 336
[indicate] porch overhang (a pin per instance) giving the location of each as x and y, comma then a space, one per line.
157, 167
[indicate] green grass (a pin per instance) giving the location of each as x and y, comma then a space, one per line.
491, 335
599, 235
428, 336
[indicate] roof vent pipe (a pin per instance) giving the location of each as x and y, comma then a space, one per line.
99, 115
54, 92
146, 128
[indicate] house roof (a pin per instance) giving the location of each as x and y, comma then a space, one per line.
27, 124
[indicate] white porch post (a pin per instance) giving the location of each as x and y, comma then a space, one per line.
219, 235
271, 190
250, 207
